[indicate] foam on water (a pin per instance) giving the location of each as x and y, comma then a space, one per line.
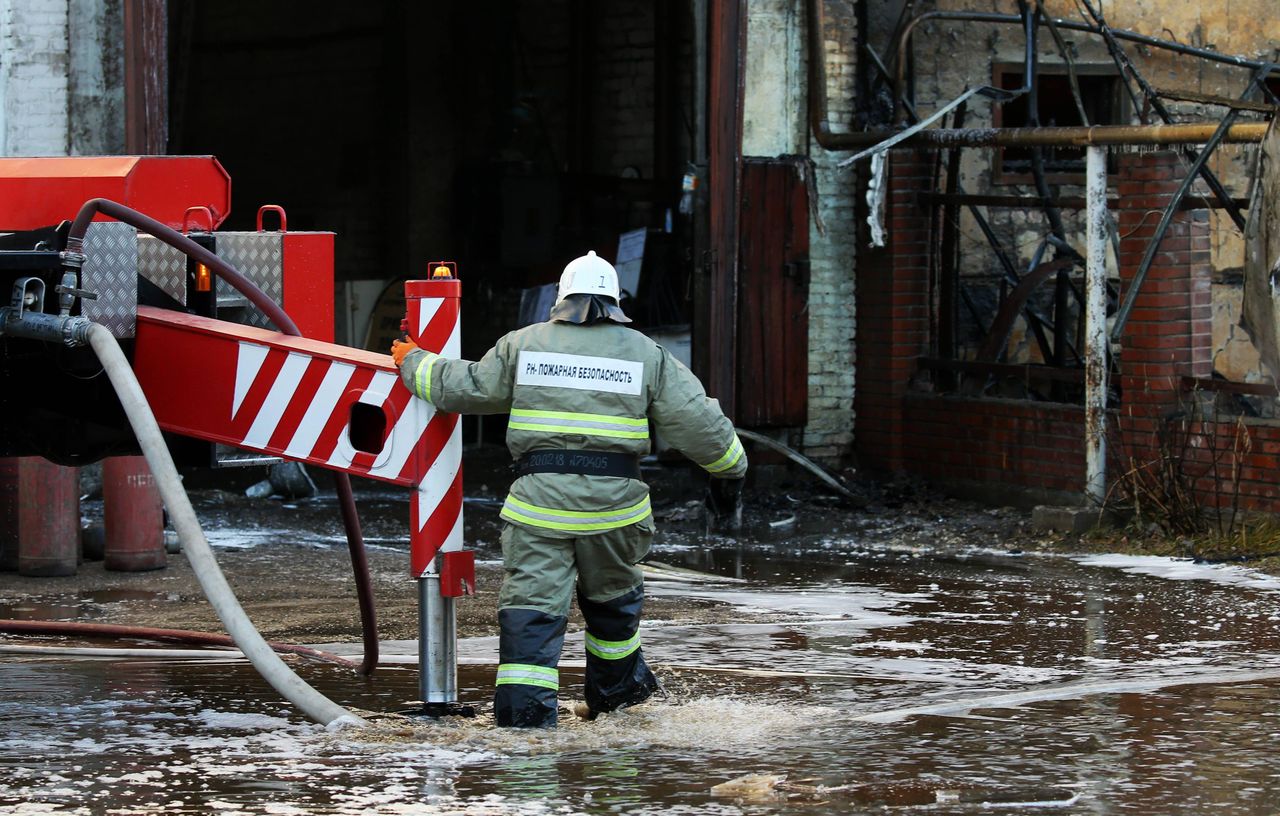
724, 721
1183, 569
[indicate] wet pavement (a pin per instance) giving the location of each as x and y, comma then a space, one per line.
839, 673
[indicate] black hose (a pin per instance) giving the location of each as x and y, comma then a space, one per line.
278, 316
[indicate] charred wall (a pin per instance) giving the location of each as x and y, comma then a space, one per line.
948, 57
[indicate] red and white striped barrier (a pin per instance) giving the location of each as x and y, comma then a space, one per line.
433, 316
336, 407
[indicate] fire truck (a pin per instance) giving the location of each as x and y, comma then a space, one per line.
130, 310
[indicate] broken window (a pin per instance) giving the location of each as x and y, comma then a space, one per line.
1100, 95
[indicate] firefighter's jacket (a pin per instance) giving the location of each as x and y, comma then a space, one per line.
582, 387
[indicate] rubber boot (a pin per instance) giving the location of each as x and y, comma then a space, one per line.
528, 681
617, 675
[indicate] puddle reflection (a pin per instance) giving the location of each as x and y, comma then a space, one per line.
851, 679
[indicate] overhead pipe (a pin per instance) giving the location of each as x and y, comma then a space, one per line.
282, 321
1092, 135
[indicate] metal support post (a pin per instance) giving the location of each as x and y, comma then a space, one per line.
437, 643
1095, 346
437, 560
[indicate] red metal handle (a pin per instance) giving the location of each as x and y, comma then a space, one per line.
186, 218
278, 210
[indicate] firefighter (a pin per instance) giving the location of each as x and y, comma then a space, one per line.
581, 390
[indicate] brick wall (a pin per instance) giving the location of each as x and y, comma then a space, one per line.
1168, 334
1038, 447
893, 314
1168, 338
33, 78
829, 432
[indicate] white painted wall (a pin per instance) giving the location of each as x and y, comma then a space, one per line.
34, 65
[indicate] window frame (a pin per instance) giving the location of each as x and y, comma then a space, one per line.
1119, 105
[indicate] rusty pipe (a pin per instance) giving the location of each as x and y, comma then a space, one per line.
818, 84
1091, 135
1082, 136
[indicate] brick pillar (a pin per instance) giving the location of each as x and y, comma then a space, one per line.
893, 313
1169, 332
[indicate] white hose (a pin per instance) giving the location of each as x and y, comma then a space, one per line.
196, 547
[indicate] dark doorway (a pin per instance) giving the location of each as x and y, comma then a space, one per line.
508, 136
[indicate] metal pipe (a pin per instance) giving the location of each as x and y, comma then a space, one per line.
1095, 346
1030, 69
1198, 133
818, 123
438, 639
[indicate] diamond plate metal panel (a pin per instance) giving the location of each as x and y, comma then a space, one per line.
260, 257
111, 270
164, 266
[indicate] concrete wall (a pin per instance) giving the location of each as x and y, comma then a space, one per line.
775, 122
95, 83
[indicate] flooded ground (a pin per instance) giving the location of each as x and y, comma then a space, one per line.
846, 661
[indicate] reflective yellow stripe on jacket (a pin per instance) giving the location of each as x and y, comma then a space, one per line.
524, 419
612, 649
527, 674
728, 460
422, 375
574, 521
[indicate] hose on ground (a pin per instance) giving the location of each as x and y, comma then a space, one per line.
800, 459
107, 630
282, 321
183, 516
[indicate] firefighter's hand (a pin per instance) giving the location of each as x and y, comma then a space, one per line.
724, 505
400, 349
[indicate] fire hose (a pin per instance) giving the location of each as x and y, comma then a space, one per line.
80, 331
282, 321
196, 547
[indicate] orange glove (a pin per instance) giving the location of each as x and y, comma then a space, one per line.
400, 349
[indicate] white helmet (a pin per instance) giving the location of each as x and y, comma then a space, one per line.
591, 275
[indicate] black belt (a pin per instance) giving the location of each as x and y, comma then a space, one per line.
587, 462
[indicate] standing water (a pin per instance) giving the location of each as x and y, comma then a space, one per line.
825, 677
